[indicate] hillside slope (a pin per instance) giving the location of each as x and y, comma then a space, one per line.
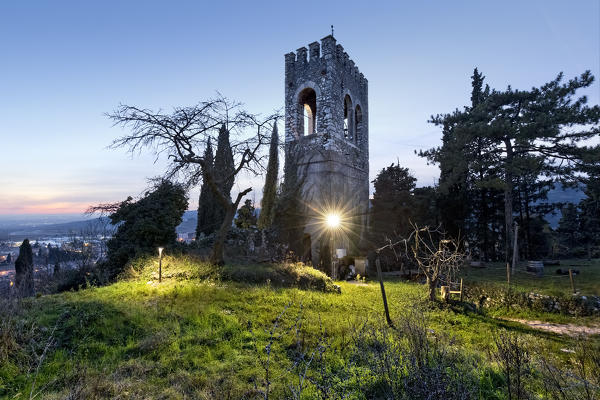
197, 336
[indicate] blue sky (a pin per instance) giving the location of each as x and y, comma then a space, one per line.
65, 64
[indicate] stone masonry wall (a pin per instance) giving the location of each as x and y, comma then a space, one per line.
336, 168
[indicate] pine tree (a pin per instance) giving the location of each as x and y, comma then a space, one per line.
224, 172
246, 215
512, 125
265, 219
207, 203
468, 189
531, 202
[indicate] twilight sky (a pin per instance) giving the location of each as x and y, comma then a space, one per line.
64, 64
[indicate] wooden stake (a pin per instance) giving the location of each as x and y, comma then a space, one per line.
385, 304
461, 289
572, 281
515, 248
508, 274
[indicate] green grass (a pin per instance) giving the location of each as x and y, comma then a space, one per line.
587, 282
197, 332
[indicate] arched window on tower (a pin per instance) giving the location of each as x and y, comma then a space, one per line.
358, 124
307, 111
348, 125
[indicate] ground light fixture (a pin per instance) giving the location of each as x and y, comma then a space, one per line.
160, 251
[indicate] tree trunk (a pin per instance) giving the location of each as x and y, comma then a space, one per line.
484, 224
431, 284
216, 256
526, 227
508, 201
508, 221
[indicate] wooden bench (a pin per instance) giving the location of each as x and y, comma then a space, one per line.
536, 267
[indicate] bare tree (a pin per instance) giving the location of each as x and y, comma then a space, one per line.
182, 136
437, 256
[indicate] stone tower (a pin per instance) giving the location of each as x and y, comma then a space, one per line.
327, 130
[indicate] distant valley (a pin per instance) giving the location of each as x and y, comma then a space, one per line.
43, 226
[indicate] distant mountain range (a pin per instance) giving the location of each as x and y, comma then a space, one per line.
15, 228
39, 226
562, 195
18, 230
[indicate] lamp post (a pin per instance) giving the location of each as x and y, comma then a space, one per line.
160, 250
333, 222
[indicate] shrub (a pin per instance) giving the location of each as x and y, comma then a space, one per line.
296, 275
146, 224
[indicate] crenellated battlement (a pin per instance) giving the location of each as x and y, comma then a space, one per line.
328, 51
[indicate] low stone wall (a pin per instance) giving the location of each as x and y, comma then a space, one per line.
494, 297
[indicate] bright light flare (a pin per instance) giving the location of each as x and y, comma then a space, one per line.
160, 250
333, 221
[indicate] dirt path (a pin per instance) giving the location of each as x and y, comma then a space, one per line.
561, 329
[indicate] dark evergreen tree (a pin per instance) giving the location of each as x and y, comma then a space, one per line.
267, 204
393, 203
531, 203
425, 210
288, 216
514, 125
145, 224
207, 222
24, 270
538, 238
589, 216
246, 215
568, 226
468, 190
224, 172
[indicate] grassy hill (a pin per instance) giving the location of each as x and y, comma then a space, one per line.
233, 332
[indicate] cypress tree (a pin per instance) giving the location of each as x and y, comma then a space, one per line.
207, 203
24, 270
288, 217
267, 203
224, 173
